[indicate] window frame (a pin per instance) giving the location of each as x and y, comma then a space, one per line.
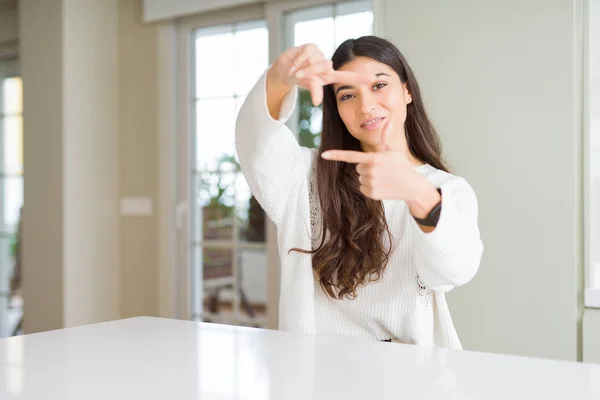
187, 145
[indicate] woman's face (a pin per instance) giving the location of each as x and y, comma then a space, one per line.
367, 108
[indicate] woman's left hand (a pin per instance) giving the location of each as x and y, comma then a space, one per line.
389, 175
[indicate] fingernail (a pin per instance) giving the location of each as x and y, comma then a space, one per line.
326, 154
299, 74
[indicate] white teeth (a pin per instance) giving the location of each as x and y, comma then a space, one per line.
372, 122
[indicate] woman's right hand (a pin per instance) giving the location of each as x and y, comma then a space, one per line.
306, 66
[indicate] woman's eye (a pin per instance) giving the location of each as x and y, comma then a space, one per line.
380, 85
345, 97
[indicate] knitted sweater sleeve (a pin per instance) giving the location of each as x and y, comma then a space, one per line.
450, 255
269, 153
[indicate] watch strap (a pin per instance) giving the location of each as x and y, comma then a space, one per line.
434, 215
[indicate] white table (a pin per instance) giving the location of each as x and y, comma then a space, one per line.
151, 358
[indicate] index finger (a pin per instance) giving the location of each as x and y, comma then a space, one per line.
349, 156
307, 52
348, 77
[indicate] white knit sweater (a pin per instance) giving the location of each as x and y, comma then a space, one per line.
408, 304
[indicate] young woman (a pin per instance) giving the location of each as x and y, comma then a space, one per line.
372, 228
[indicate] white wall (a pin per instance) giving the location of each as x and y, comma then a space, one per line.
43, 151
593, 71
90, 72
90, 160
68, 57
138, 158
591, 318
501, 81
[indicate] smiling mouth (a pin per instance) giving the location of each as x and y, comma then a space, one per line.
372, 122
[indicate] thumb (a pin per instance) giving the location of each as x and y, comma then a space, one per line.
386, 136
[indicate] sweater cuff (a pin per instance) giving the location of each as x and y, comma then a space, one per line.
449, 255
287, 106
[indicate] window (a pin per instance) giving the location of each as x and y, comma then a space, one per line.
327, 26
228, 240
11, 193
593, 156
224, 253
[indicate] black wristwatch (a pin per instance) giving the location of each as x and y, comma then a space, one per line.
434, 215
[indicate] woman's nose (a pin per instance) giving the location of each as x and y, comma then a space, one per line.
367, 104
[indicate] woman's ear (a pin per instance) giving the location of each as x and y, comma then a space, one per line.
407, 95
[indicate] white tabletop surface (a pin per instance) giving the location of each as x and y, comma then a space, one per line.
151, 358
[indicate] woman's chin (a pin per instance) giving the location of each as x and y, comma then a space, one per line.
370, 146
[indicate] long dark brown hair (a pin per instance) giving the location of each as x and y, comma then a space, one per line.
355, 252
